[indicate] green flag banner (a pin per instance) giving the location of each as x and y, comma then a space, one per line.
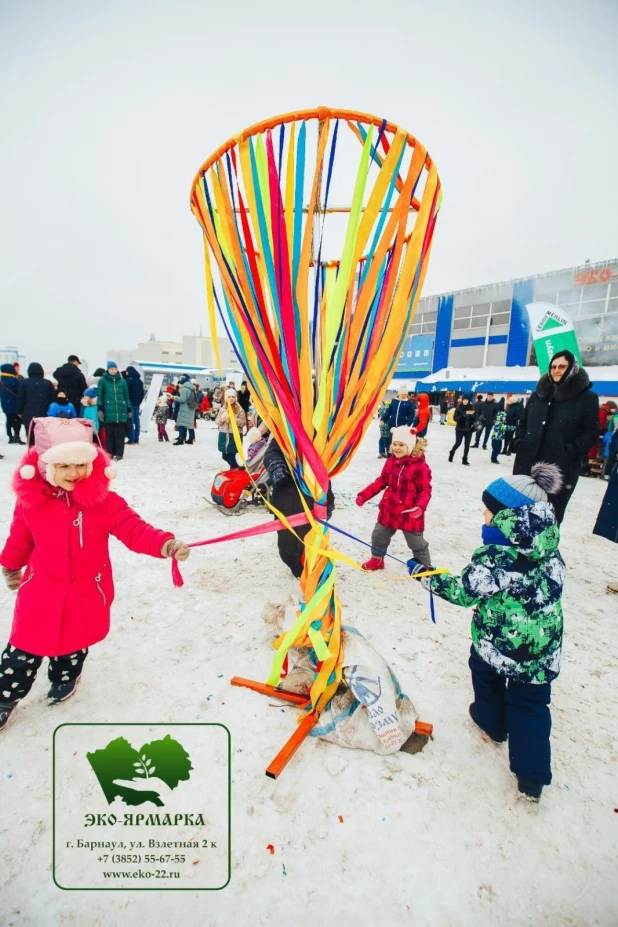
552, 331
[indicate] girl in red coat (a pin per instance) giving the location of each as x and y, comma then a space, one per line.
63, 518
407, 481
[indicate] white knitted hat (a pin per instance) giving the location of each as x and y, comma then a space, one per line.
405, 435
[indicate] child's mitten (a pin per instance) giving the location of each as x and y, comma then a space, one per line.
12, 578
415, 566
359, 501
176, 549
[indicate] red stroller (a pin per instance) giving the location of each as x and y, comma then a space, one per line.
233, 490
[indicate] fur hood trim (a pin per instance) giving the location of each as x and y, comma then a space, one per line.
35, 491
575, 385
419, 447
70, 452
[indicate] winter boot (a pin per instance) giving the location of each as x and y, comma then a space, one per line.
465, 462
529, 790
450, 456
166, 438
5, 713
374, 563
190, 441
496, 740
61, 691
179, 441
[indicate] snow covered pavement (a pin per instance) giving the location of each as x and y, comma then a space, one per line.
435, 838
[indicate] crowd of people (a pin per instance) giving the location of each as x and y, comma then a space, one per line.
514, 581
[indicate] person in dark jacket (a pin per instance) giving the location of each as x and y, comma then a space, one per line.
244, 397
607, 520
61, 407
486, 417
285, 497
513, 412
9, 388
465, 418
135, 386
35, 396
114, 409
559, 425
443, 411
478, 402
71, 380
401, 410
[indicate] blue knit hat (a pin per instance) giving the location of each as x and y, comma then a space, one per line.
513, 492
111, 364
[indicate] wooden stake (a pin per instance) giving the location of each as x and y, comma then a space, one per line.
289, 749
263, 689
423, 727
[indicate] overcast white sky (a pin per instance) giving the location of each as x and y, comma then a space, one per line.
108, 109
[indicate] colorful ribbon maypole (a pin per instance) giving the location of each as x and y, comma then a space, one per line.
318, 339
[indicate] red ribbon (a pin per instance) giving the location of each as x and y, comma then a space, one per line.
276, 525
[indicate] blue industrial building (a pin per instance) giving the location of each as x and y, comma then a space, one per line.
488, 326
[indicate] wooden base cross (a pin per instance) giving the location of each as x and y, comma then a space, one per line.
302, 731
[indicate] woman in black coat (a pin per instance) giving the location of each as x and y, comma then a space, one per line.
35, 396
465, 416
559, 425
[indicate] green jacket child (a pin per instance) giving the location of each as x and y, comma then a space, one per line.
514, 583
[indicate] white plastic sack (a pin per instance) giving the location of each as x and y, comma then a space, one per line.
372, 713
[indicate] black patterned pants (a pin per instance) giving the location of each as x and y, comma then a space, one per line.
18, 670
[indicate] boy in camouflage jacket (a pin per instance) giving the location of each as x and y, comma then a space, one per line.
497, 436
515, 583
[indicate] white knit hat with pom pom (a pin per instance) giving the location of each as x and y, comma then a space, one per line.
404, 435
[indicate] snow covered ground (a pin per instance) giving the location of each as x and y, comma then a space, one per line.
432, 839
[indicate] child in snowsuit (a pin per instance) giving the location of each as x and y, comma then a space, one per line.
515, 583
423, 415
62, 408
406, 478
89, 408
161, 415
497, 436
63, 518
385, 439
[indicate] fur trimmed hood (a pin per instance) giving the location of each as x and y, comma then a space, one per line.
419, 448
571, 388
36, 491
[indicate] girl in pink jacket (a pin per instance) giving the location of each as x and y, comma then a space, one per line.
63, 518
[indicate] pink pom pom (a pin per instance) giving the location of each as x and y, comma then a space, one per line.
111, 473
27, 472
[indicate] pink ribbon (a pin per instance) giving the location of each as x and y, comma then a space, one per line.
276, 525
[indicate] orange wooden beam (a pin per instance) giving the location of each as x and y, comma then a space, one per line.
263, 689
289, 749
423, 727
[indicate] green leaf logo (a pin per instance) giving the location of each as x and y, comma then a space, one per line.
138, 776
